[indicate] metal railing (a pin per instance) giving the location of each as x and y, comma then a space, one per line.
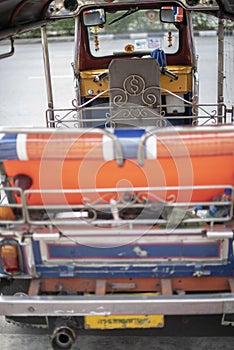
125, 208
90, 114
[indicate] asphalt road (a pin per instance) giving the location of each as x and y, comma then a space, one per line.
24, 72
23, 88
14, 338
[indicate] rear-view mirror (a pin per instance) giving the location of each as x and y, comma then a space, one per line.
171, 14
95, 17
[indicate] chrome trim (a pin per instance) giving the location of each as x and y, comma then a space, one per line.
198, 304
47, 70
176, 129
122, 225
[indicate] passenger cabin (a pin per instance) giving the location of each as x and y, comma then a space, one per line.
115, 45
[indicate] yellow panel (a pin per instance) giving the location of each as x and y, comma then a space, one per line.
123, 321
87, 83
181, 86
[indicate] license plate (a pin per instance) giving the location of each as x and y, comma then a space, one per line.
123, 322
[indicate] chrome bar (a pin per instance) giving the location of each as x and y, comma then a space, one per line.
88, 230
146, 190
197, 304
47, 70
146, 198
124, 223
76, 71
167, 130
220, 97
177, 130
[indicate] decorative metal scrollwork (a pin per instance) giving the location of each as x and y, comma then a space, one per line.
63, 118
135, 86
133, 104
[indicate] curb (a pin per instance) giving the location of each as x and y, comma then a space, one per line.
57, 39
205, 33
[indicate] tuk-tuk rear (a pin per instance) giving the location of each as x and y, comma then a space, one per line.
119, 214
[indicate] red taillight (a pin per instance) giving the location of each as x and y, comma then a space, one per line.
22, 181
10, 257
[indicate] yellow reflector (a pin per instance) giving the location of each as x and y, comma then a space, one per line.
6, 213
123, 321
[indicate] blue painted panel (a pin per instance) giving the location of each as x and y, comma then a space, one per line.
133, 268
36, 252
140, 251
132, 271
8, 147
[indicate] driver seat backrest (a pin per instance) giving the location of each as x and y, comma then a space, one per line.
134, 92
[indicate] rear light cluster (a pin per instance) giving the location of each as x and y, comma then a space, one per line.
10, 254
6, 213
22, 181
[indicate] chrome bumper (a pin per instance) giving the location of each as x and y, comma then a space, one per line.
199, 304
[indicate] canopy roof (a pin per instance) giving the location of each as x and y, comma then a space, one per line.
17, 16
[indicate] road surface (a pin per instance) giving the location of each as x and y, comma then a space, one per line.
15, 338
23, 73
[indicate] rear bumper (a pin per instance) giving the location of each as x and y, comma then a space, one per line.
197, 304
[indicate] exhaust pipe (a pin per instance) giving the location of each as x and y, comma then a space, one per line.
63, 338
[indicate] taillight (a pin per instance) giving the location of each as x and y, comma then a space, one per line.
10, 256
22, 181
6, 213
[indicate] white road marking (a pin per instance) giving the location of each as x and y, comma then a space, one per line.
53, 77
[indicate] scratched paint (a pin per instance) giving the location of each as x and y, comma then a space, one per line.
140, 252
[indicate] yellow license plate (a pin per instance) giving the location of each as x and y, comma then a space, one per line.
123, 322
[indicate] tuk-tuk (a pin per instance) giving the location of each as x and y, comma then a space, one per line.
119, 214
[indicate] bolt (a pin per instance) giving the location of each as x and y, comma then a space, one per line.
31, 309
